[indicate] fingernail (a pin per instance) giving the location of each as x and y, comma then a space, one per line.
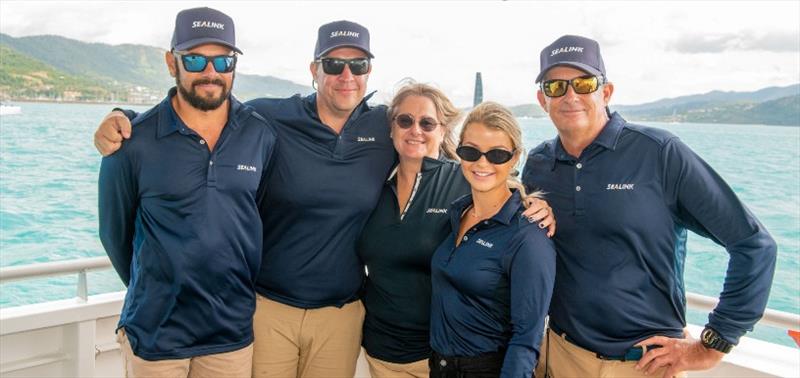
541, 225
531, 220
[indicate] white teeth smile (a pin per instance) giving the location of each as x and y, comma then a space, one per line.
414, 142
482, 174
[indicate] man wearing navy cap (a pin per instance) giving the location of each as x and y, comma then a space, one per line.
179, 214
625, 196
333, 157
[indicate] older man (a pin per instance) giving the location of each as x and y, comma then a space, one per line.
179, 216
625, 196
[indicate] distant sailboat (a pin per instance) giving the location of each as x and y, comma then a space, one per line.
478, 90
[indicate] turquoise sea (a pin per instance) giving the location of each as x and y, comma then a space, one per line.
48, 199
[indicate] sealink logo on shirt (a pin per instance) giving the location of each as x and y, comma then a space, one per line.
484, 243
619, 187
208, 24
344, 33
365, 139
434, 210
566, 50
247, 168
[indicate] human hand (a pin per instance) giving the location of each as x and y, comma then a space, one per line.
677, 355
114, 128
537, 210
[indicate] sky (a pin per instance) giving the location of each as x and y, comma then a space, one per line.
652, 50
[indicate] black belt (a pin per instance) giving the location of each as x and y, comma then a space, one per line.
481, 364
632, 354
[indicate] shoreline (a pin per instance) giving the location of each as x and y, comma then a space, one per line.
33, 101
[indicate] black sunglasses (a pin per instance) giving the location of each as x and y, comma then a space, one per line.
335, 66
198, 63
405, 121
494, 156
581, 85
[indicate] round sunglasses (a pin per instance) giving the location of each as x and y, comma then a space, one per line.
494, 156
405, 121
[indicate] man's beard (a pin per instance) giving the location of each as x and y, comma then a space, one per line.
200, 102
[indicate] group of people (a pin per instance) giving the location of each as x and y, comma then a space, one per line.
242, 230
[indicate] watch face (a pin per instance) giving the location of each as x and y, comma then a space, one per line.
708, 336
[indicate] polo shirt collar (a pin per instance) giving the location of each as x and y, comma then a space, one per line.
428, 164
169, 122
608, 139
609, 136
504, 216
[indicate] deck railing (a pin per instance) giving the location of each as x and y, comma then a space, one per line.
775, 318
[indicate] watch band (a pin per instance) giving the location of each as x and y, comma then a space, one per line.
711, 339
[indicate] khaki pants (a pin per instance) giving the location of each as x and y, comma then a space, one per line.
568, 360
295, 342
384, 369
235, 364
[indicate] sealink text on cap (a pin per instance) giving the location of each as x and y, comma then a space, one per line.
197, 26
574, 51
341, 34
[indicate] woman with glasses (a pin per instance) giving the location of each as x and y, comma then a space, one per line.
409, 222
492, 277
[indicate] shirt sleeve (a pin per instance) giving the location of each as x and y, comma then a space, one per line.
531, 268
702, 202
117, 206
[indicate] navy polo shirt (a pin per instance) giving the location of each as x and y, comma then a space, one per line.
624, 207
181, 226
322, 187
491, 293
397, 252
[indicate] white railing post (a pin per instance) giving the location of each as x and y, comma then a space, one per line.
83, 286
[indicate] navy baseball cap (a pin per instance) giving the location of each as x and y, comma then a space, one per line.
199, 26
341, 34
574, 51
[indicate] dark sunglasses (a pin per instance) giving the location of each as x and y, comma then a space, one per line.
405, 121
335, 66
495, 156
198, 63
581, 85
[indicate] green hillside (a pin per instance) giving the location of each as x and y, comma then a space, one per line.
101, 72
24, 77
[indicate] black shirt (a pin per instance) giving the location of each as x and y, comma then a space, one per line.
398, 258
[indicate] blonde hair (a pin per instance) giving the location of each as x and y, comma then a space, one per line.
446, 112
498, 117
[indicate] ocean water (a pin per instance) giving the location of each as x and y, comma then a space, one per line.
48, 200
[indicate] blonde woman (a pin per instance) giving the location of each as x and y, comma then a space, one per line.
492, 277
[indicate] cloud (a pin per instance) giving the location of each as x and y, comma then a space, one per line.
740, 41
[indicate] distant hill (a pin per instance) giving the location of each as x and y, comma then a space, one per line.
528, 110
714, 97
101, 72
769, 106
